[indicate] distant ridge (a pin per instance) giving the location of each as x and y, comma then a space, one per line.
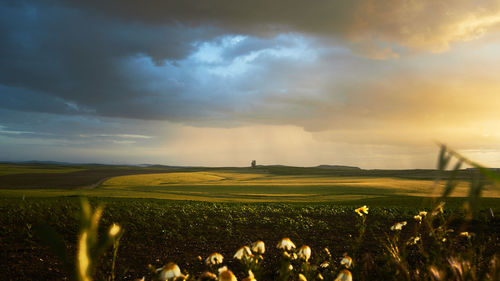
162, 166
337, 167
42, 162
59, 163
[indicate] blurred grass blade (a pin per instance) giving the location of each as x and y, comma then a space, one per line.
86, 213
443, 161
495, 177
443, 158
452, 181
476, 186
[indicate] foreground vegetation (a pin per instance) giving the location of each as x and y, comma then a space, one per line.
159, 231
381, 238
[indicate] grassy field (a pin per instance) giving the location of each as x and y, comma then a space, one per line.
178, 214
259, 187
245, 185
50, 176
158, 231
13, 169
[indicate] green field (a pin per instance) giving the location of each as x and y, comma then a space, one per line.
12, 169
259, 187
158, 231
250, 185
176, 214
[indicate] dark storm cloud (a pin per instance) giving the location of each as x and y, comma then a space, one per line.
127, 59
56, 55
372, 25
232, 80
64, 60
249, 17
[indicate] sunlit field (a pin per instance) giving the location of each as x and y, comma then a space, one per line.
249, 187
242, 185
177, 224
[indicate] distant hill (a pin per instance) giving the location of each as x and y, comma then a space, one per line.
40, 162
337, 167
59, 163
331, 167
53, 174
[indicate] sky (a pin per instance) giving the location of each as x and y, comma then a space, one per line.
373, 84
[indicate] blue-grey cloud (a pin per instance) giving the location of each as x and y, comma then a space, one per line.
87, 74
184, 62
65, 56
373, 27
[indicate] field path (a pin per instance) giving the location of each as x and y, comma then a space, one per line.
97, 184
87, 179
